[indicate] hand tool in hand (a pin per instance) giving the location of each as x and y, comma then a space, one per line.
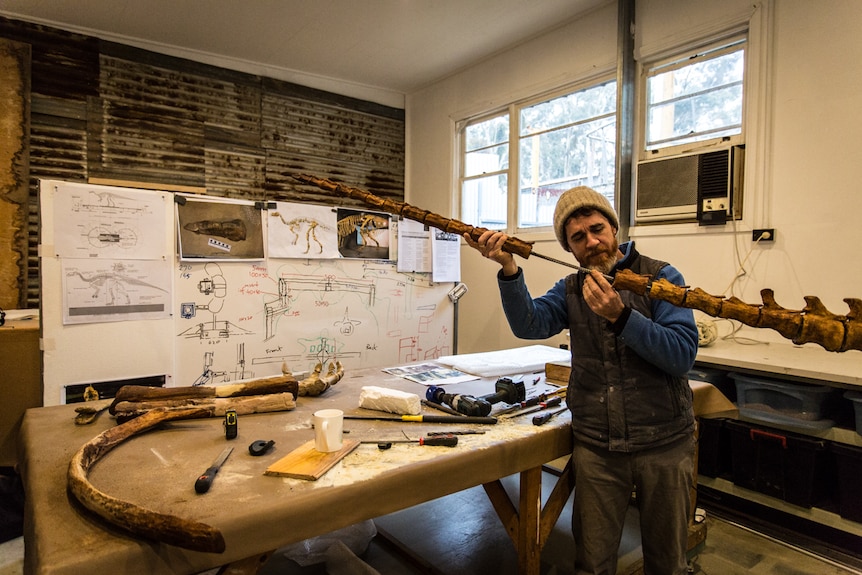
544, 418
554, 401
426, 418
202, 485
448, 440
260, 446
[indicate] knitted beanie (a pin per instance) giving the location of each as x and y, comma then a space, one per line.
575, 199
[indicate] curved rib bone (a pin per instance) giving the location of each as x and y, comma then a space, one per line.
134, 518
813, 324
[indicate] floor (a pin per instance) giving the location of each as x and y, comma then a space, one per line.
461, 535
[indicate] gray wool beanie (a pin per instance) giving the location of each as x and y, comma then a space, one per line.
574, 199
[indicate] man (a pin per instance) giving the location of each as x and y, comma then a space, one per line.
630, 400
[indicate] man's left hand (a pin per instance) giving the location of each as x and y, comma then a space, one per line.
602, 298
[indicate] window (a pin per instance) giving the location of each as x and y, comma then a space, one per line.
696, 97
562, 142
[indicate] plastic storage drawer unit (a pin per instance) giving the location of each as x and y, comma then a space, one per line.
791, 467
856, 398
792, 404
848, 459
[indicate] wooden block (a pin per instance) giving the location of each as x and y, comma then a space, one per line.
558, 372
305, 462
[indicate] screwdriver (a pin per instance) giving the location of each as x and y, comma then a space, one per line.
427, 418
448, 440
202, 485
542, 405
544, 418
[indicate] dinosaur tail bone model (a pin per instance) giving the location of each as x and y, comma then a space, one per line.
813, 324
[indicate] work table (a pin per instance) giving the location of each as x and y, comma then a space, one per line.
256, 513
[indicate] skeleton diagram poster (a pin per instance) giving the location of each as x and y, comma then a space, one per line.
316, 287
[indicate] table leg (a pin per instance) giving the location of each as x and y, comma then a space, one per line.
530, 524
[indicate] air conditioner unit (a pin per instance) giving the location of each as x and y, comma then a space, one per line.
706, 186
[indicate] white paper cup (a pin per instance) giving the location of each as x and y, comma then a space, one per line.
328, 426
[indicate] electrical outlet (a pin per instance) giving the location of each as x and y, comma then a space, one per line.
764, 235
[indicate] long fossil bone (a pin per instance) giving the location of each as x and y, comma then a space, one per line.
813, 324
140, 408
134, 518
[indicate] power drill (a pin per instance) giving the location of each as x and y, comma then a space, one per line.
466, 404
505, 390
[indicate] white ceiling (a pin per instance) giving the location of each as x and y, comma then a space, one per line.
395, 46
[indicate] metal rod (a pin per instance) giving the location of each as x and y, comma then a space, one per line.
569, 264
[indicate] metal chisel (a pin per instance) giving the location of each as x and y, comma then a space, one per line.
202, 485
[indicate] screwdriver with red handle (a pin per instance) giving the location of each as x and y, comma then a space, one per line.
554, 401
448, 440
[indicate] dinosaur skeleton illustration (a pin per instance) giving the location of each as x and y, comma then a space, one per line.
113, 283
295, 227
367, 224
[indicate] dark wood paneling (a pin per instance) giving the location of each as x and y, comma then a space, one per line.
105, 111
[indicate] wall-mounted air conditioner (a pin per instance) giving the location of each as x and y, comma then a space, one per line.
706, 186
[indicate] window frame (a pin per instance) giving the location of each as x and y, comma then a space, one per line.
676, 59
513, 112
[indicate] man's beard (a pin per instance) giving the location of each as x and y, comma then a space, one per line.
603, 261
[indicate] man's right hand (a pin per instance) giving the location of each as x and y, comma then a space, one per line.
490, 245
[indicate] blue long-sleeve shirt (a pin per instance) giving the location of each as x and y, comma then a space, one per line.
668, 340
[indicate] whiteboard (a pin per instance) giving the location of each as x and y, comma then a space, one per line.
226, 320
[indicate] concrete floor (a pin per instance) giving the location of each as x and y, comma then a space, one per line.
460, 534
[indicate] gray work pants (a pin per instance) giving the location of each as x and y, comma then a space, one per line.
604, 481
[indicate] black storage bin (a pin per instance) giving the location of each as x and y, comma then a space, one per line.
713, 447
848, 460
787, 466
719, 379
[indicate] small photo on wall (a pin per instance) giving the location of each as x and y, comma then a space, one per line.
219, 230
363, 234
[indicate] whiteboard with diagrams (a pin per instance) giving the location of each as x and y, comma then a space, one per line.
227, 319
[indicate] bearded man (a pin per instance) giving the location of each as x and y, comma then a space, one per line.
631, 405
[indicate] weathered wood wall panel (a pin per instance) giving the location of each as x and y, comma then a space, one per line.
106, 111
14, 166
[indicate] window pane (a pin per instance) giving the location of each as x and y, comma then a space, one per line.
695, 99
707, 114
569, 109
575, 146
487, 133
484, 203
486, 160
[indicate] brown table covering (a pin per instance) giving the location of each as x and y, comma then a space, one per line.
255, 513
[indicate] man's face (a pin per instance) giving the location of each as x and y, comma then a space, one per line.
593, 241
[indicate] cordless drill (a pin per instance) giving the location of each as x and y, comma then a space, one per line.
462, 403
505, 390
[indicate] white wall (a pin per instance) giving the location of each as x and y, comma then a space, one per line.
800, 179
